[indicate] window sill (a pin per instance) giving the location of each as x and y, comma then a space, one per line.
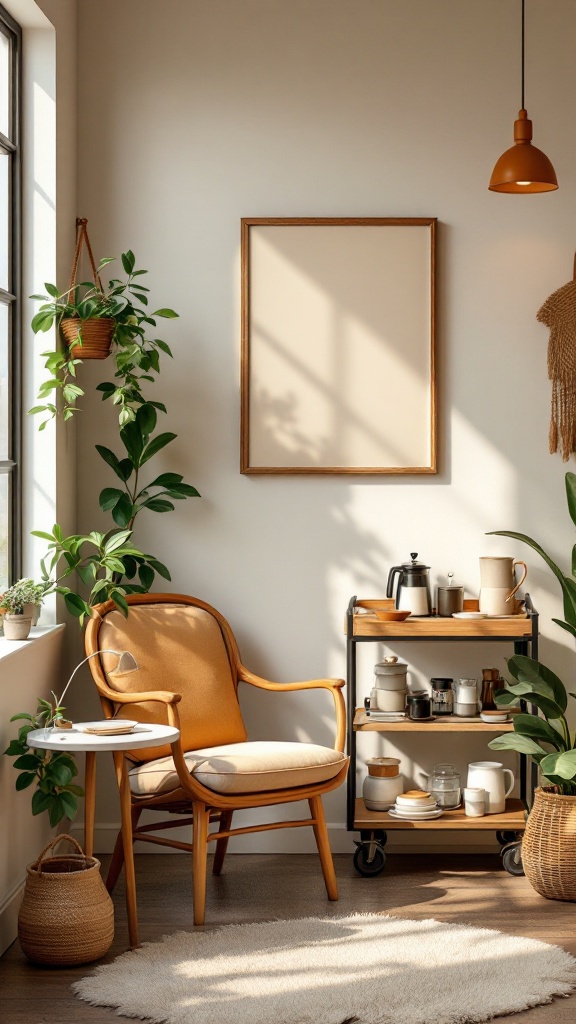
37, 635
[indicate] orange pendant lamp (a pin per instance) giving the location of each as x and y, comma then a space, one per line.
523, 168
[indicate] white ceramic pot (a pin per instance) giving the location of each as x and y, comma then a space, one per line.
380, 793
490, 776
32, 611
16, 627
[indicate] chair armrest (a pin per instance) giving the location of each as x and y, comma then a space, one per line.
161, 696
333, 685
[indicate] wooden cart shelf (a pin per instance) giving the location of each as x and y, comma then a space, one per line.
516, 627
451, 723
513, 819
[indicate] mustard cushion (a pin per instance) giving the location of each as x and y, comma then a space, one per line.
179, 648
252, 767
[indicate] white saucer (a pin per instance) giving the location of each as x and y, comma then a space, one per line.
494, 720
413, 815
470, 615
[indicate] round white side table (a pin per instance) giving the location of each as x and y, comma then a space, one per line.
76, 741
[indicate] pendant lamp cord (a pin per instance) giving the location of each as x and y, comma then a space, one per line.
523, 107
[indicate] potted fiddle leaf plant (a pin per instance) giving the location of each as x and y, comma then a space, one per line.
548, 842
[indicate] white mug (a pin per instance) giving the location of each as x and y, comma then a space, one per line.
489, 775
474, 802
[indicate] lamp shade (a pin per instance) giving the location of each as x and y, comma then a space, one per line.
523, 167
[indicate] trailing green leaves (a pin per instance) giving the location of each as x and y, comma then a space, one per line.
50, 772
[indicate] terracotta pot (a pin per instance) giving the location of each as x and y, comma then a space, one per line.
16, 627
548, 847
95, 336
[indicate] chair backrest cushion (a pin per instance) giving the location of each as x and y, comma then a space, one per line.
179, 648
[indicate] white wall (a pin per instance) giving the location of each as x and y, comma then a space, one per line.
195, 114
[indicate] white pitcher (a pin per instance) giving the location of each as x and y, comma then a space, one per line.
498, 584
489, 775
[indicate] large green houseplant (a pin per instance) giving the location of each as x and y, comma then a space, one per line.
548, 843
87, 569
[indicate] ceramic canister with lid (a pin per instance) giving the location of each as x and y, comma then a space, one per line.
383, 783
390, 684
391, 674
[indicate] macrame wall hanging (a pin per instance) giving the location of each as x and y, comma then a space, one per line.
559, 314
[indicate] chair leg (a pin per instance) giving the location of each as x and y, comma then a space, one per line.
117, 862
323, 844
199, 857
222, 844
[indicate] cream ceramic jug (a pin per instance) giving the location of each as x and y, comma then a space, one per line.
498, 584
489, 775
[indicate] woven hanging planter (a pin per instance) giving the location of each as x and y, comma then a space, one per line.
89, 339
66, 916
549, 846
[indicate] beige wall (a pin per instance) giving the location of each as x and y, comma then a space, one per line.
194, 114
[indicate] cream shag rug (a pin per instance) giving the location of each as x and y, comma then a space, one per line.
370, 968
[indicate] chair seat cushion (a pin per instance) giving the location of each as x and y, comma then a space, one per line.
252, 767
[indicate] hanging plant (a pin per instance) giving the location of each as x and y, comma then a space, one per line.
109, 565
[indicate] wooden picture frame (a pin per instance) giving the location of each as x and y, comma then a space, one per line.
338, 361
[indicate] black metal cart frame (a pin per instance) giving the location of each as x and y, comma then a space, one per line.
527, 645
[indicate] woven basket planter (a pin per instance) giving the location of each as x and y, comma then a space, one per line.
549, 846
89, 339
66, 916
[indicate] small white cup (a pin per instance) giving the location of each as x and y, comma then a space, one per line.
474, 802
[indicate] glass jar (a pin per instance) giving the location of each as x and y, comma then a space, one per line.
442, 696
445, 786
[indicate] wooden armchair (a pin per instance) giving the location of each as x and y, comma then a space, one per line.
188, 673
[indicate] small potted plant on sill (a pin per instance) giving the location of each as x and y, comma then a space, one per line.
20, 605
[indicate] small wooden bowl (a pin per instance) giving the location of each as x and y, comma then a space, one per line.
388, 615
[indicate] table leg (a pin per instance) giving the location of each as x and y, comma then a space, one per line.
129, 873
89, 802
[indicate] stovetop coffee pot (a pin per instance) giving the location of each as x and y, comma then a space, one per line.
413, 589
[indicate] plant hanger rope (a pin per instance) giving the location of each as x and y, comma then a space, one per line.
82, 238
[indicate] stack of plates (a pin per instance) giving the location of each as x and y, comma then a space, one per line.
108, 727
415, 805
387, 716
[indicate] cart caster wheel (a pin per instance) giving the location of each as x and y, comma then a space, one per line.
512, 859
505, 837
369, 869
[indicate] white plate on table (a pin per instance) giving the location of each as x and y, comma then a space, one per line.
414, 815
109, 727
469, 615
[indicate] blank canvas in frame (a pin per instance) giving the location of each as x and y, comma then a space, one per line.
338, 371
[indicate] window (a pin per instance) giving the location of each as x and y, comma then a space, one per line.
10, 234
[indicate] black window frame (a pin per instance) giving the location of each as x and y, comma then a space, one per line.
12, 147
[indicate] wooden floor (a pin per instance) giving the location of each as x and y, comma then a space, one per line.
463, 889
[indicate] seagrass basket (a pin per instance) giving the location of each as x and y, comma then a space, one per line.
66, 916
89, 339
549, 845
